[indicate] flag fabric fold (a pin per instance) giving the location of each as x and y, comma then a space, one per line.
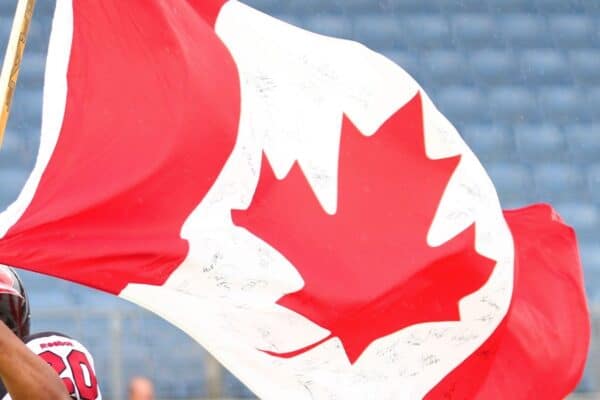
295, 203
539, 349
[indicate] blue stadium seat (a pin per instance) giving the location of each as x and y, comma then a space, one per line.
39, 33
330, 25
489, 142
408, 60
45, 8
585, 65
591, 103
96, 329
27, 103
513, 104
525, 30
561, 103
594, 182
513, 182
14, 151
35, 282
444, 67
539, 142
509, 5
396, 6
26, 109
473, 31
583, 141
7, 8
233, 388
462, 104
308, 7
378, 31
267, 6
426, 31
492, 67
554, 6
12, 181
463, 6
558, 182
544, 66
586, 385
32, 70
592, 291
50, 300
590, 256
353, 7
591, 7
52, 324
5, 25
94, 299
585, 218
573, 30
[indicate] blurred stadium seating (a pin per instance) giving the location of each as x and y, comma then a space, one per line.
519, 78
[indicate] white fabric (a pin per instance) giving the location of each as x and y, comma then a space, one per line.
295, 87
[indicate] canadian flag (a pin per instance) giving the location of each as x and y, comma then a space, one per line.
296, 204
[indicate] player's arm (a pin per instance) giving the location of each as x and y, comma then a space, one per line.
25, 375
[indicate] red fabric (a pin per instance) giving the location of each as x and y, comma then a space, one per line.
539, 350
151, 117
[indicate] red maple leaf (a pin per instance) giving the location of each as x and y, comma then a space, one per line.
368, 270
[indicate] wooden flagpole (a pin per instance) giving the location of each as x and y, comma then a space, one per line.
13, 57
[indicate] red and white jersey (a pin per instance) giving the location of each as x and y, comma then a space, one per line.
71, 360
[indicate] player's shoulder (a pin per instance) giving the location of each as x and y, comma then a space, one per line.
70, 359
59, 349
50, 346
52, 341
